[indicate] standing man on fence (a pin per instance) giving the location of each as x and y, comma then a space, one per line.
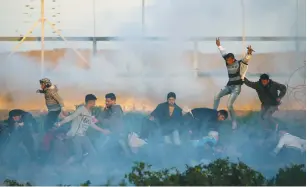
236, 73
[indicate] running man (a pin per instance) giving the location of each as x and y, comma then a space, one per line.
82, 119
236, 73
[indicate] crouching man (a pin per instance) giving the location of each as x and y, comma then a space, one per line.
82, 119
21, 126
200, 121
168, 116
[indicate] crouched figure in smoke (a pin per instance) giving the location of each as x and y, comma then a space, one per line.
21, 127
270, 94
82, 119
290, 148
167, 118
236, 73
199, 121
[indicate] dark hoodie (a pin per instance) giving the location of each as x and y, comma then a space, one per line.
268, 95
30, 124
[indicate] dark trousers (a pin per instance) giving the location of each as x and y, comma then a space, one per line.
51, 119
11, 151
148, 128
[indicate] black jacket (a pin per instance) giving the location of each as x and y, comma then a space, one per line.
30, 124
168, 123
111, 118
268, 95
205, 120
161, 113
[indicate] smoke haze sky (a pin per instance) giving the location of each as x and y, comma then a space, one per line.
162, 18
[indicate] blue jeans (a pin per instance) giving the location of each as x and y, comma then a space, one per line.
233, 91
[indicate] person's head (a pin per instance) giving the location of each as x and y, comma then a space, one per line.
110, 99
222, 115
45, 83
90, 100
264, 79
16, 115
230, 58
171, 98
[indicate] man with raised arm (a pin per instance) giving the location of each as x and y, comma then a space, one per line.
236, 72
82, 119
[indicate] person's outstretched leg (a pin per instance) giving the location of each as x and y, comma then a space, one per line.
235, 91
217, 98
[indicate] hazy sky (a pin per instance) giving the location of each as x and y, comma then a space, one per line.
163, 18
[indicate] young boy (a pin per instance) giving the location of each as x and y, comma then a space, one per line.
236, 72
82, 119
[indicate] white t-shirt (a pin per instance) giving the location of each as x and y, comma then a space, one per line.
290, 141
81, 119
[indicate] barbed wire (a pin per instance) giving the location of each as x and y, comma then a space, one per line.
297, 92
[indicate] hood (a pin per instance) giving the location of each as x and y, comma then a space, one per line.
53, 87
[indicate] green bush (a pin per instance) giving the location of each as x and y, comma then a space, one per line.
221, 172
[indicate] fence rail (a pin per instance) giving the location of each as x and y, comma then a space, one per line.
153, 38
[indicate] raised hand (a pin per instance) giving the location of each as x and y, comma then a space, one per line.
218, 42
250, 50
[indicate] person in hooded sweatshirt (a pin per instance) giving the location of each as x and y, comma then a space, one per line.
236, 72
270, 94
21, 127
54, 102
55, 106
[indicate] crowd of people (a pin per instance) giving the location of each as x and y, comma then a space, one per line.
197, 128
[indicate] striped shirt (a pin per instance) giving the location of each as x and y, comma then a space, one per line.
237, 70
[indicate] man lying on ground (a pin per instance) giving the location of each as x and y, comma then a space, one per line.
200, 121
287, 140
290, 148
82, 119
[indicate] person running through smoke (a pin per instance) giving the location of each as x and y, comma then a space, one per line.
270, 94
236, 73
21, 127
55, 106
82, 119
54, 102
